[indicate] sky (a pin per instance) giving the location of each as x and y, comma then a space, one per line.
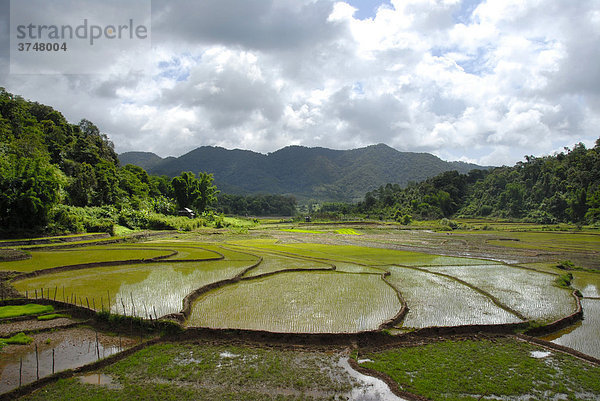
483, 81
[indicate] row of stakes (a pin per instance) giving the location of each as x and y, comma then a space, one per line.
73, 300
37, 360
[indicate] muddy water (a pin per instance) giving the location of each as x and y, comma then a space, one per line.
369, 388
585, 335
72, 348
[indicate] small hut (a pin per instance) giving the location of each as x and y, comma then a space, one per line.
187, 213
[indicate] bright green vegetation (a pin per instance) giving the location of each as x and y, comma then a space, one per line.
19, 339
24, 310
440, 301
47, 259
274, 262
531, 293
347, 231
550, 189
140, 289
53, 316
307, 302
213, 372
353, 254
488, 369
185, 249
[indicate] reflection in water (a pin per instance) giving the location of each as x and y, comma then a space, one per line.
370, 388
71, 349
582, 336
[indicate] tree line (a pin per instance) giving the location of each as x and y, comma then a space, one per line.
58, 177
564, 187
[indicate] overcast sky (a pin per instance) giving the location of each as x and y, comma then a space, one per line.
481, 81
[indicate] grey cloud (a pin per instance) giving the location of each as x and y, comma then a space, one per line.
253, 24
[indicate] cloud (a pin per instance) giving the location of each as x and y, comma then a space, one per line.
481, 80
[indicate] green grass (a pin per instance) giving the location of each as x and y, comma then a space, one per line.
213, 372
24, 310
53, 316
487, 369
47, 259
299, 230
19, 339
347, 231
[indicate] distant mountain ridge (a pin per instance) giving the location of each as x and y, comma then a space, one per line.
307, 173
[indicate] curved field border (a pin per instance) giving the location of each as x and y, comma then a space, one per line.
492, 298
189, 299
156, 259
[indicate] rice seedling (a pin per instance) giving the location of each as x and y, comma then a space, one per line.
140, 290
47, 259
531, 293
306, 302
439, 301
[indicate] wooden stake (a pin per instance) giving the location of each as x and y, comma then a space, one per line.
37, 363
52, 360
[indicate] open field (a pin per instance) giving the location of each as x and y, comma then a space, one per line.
324, 280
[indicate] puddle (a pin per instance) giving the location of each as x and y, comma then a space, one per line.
57, 351
100, 379
370, 388
228, 354
540, 354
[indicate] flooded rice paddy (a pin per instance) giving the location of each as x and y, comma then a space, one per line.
440, 301
56, 351
304, 302
531, 293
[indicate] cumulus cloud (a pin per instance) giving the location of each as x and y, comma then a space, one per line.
487, 81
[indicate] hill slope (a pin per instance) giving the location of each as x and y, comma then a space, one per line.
308, 173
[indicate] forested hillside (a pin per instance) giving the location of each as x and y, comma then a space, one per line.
561, 188
306, 173
58, 177
62, 177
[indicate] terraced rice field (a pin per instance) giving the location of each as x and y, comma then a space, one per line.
438, 290
529, 292
156, 289
54, 258
304, 302
446, 303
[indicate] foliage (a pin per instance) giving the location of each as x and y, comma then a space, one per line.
20, 339
24, 310
256, 205
59, 177
191, 192
490, 369
53, 316
551, 189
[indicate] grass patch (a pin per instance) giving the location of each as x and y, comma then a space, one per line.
53, 316
563, 281
213, 372
19, 339
487, 369
24, 310
347, 231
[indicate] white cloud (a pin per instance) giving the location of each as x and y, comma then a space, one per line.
489, 83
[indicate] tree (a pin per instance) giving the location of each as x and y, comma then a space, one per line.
197, 193
28, 190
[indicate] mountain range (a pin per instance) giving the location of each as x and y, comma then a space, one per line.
307, 173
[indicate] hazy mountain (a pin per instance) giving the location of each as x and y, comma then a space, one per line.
317, 173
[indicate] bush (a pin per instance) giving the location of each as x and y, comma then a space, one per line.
448, 225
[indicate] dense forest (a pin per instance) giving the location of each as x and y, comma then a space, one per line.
61, 177
561, 188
